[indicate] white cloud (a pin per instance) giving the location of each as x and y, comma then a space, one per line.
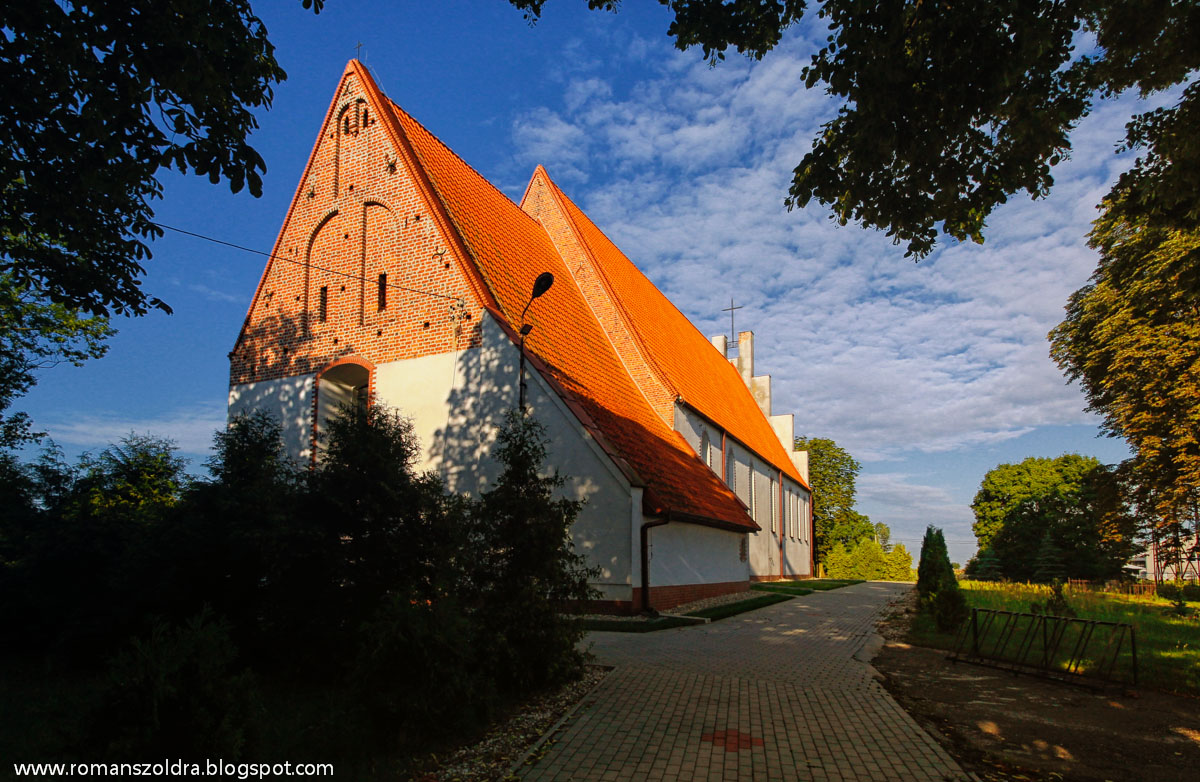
911, 507
687, 173
191, 428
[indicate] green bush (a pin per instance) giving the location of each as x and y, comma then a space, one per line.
529, 571
937, 585
1169, 590
420, 667
176, 693
949, 608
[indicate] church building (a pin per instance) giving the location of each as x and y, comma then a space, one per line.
403, 277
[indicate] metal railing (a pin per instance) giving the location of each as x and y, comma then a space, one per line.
1084, 651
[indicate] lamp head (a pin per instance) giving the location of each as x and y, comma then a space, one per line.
542, 284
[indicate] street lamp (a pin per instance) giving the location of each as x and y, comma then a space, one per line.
540, 286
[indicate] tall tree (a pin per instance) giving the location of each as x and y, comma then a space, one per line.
1074, 501
950, 108
832, 473
1131, 337
100, 97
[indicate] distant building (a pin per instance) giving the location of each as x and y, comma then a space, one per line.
401, 276
1157, 563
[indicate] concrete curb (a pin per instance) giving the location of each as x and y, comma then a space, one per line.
511, 771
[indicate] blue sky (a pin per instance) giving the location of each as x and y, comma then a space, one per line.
930, 373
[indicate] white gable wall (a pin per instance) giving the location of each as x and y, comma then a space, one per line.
289, 399
457, 402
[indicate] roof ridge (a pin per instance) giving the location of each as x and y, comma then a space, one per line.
643, 349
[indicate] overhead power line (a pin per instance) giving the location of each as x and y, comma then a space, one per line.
272, 256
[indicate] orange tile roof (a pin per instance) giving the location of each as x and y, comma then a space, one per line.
508, 250
682, 357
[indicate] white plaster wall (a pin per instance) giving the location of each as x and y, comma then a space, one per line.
693, 428
457, 402
798, 543
691, 554
331, 397
289, 399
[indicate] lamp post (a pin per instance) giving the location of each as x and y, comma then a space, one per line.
540, 286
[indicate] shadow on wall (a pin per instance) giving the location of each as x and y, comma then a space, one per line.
485, 388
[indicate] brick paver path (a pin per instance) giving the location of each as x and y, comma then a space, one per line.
775, 694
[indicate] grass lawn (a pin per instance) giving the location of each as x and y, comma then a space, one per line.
730, 609
782, 588
825, 584
1168, 646
619, 625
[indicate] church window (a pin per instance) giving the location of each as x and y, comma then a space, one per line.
753, 502
382, 294
323, 304
730, 471
706, 448
774, 508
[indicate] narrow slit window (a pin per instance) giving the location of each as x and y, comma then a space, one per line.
323, 305
382, 292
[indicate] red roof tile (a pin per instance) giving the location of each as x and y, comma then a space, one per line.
682, 357
509, 249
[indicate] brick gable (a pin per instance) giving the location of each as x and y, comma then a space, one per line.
361, 210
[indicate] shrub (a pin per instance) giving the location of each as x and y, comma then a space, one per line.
934, 566
419, 666
937, 585
531, 571
949, 608
175, 693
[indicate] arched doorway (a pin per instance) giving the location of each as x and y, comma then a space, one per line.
344, 384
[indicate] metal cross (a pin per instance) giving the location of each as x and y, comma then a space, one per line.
358, 50
730, 310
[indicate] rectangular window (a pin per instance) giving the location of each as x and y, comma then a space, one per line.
774, 506
804, 516
382, 294
323, 305
753, 499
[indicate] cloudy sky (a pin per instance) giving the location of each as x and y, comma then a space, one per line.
930, 374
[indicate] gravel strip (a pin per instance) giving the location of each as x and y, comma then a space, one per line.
508, 741
679, 610
709, 602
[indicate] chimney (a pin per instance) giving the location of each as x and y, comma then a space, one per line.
745, 356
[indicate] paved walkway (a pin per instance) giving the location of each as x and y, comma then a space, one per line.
775, 694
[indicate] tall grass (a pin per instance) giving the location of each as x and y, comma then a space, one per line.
1168, 646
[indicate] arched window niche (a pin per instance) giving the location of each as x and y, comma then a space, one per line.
346, 383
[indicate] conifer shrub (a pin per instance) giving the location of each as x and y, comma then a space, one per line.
1048, 567
937, 586
530, 572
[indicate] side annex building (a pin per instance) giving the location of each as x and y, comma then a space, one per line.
401, 275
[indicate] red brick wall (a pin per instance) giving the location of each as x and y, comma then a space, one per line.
358, 212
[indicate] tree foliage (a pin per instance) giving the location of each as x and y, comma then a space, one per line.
950, 108
868, 561
832, 473
37, 334
360, 580
1131, 338
1071, 504
101, 96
